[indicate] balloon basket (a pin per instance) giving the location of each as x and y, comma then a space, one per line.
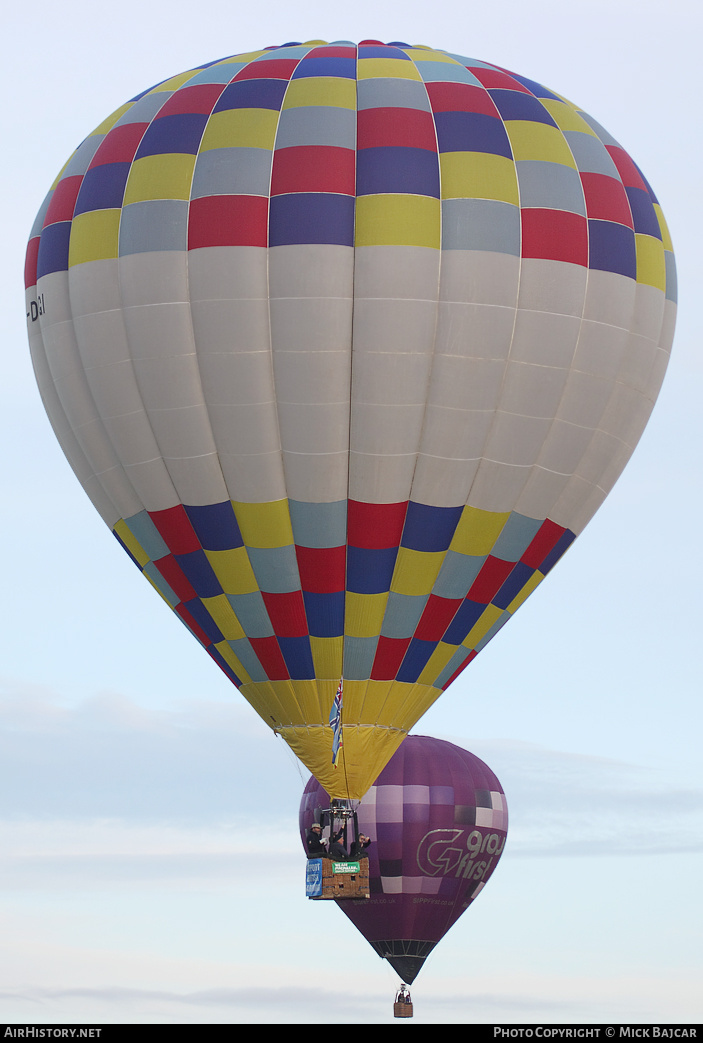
403, 1005
340, 880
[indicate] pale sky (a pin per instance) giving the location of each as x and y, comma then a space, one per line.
150, 863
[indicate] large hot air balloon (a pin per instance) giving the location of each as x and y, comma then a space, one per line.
347, 344
438, 819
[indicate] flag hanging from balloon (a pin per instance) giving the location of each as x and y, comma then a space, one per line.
336, 723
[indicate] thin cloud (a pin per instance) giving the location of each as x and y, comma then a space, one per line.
212, 765
106, 757
571, 805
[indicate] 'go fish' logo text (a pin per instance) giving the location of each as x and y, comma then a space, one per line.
444, 852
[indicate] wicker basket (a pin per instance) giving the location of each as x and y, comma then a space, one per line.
337, 884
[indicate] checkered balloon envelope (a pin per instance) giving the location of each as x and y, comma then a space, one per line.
347, 343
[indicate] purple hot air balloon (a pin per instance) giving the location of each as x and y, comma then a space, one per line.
438, 819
